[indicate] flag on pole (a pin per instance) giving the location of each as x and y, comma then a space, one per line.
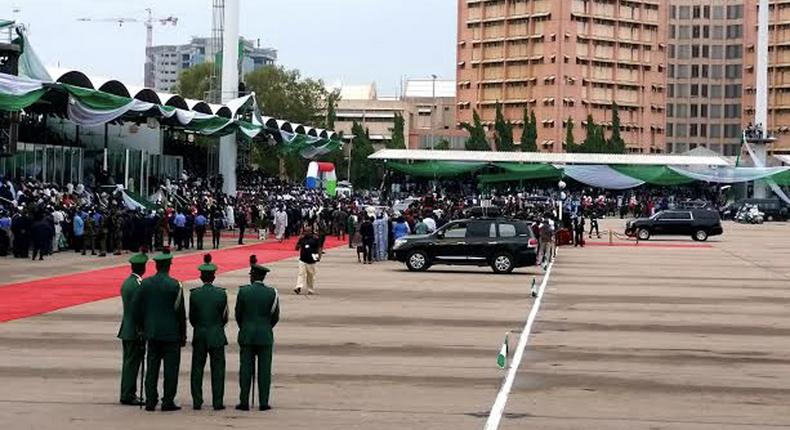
501, 359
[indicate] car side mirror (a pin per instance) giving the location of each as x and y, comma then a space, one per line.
440, 235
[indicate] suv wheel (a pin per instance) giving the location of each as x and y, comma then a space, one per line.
700, 235
417, 261
643, 234
502, 263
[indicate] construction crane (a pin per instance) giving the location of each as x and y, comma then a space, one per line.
149, 27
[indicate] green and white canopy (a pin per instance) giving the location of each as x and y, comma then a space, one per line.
615, 177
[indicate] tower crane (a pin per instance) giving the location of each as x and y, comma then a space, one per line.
149, 22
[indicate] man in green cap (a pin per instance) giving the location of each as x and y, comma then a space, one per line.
133, 345
159, 308
208, 314
257, 312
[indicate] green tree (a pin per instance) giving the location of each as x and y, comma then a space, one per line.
331, 109
398, 140
195, 82
364, 172
529, 137
477, 134
570, 141
442, 145
285, 94
594, 141
616, 143
503, 132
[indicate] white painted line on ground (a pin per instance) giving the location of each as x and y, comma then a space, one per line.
501, 399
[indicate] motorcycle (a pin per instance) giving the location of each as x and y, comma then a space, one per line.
749, 214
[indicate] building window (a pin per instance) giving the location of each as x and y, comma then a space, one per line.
734, 71
732, 91
735, 11
734, 51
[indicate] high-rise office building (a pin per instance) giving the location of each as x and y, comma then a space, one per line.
565, 59
710, 72
170, 60
778, 71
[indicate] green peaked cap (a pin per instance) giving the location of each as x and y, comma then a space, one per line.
140, 258
165, 255
207, 265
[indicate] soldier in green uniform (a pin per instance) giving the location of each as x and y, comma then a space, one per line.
133, 345
208, 314
257, 312
160, 310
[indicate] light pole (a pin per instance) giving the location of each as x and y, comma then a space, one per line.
433, 111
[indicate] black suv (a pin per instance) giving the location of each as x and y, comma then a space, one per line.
697, 223
503, 244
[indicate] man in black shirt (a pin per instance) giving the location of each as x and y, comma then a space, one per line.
309, 247
368, 238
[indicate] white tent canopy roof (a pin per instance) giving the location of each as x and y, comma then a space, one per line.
547, 157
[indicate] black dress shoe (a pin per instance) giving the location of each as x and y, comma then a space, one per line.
242, 407
170, 408
219, 408
150, 408
264, 407
132, 402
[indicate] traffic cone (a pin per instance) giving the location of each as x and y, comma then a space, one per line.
534, 289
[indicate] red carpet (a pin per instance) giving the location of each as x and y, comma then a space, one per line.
25, 299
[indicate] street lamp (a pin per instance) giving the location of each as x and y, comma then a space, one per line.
433, 110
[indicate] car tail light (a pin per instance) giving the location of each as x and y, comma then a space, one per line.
533, 243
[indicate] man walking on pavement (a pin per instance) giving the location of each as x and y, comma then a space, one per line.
257, 312
208, 314
133, 344
159, 308
309, 247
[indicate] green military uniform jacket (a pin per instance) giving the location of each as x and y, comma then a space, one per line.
160, 309
208, 314
257, 312
129, 289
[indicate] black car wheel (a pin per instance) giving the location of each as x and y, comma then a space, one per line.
643, 234
417, 261
700, 235
502, 263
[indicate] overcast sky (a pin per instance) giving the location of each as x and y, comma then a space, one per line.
353, 41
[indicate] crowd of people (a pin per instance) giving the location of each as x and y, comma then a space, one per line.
43, 219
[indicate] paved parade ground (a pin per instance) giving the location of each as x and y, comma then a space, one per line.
675, 335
